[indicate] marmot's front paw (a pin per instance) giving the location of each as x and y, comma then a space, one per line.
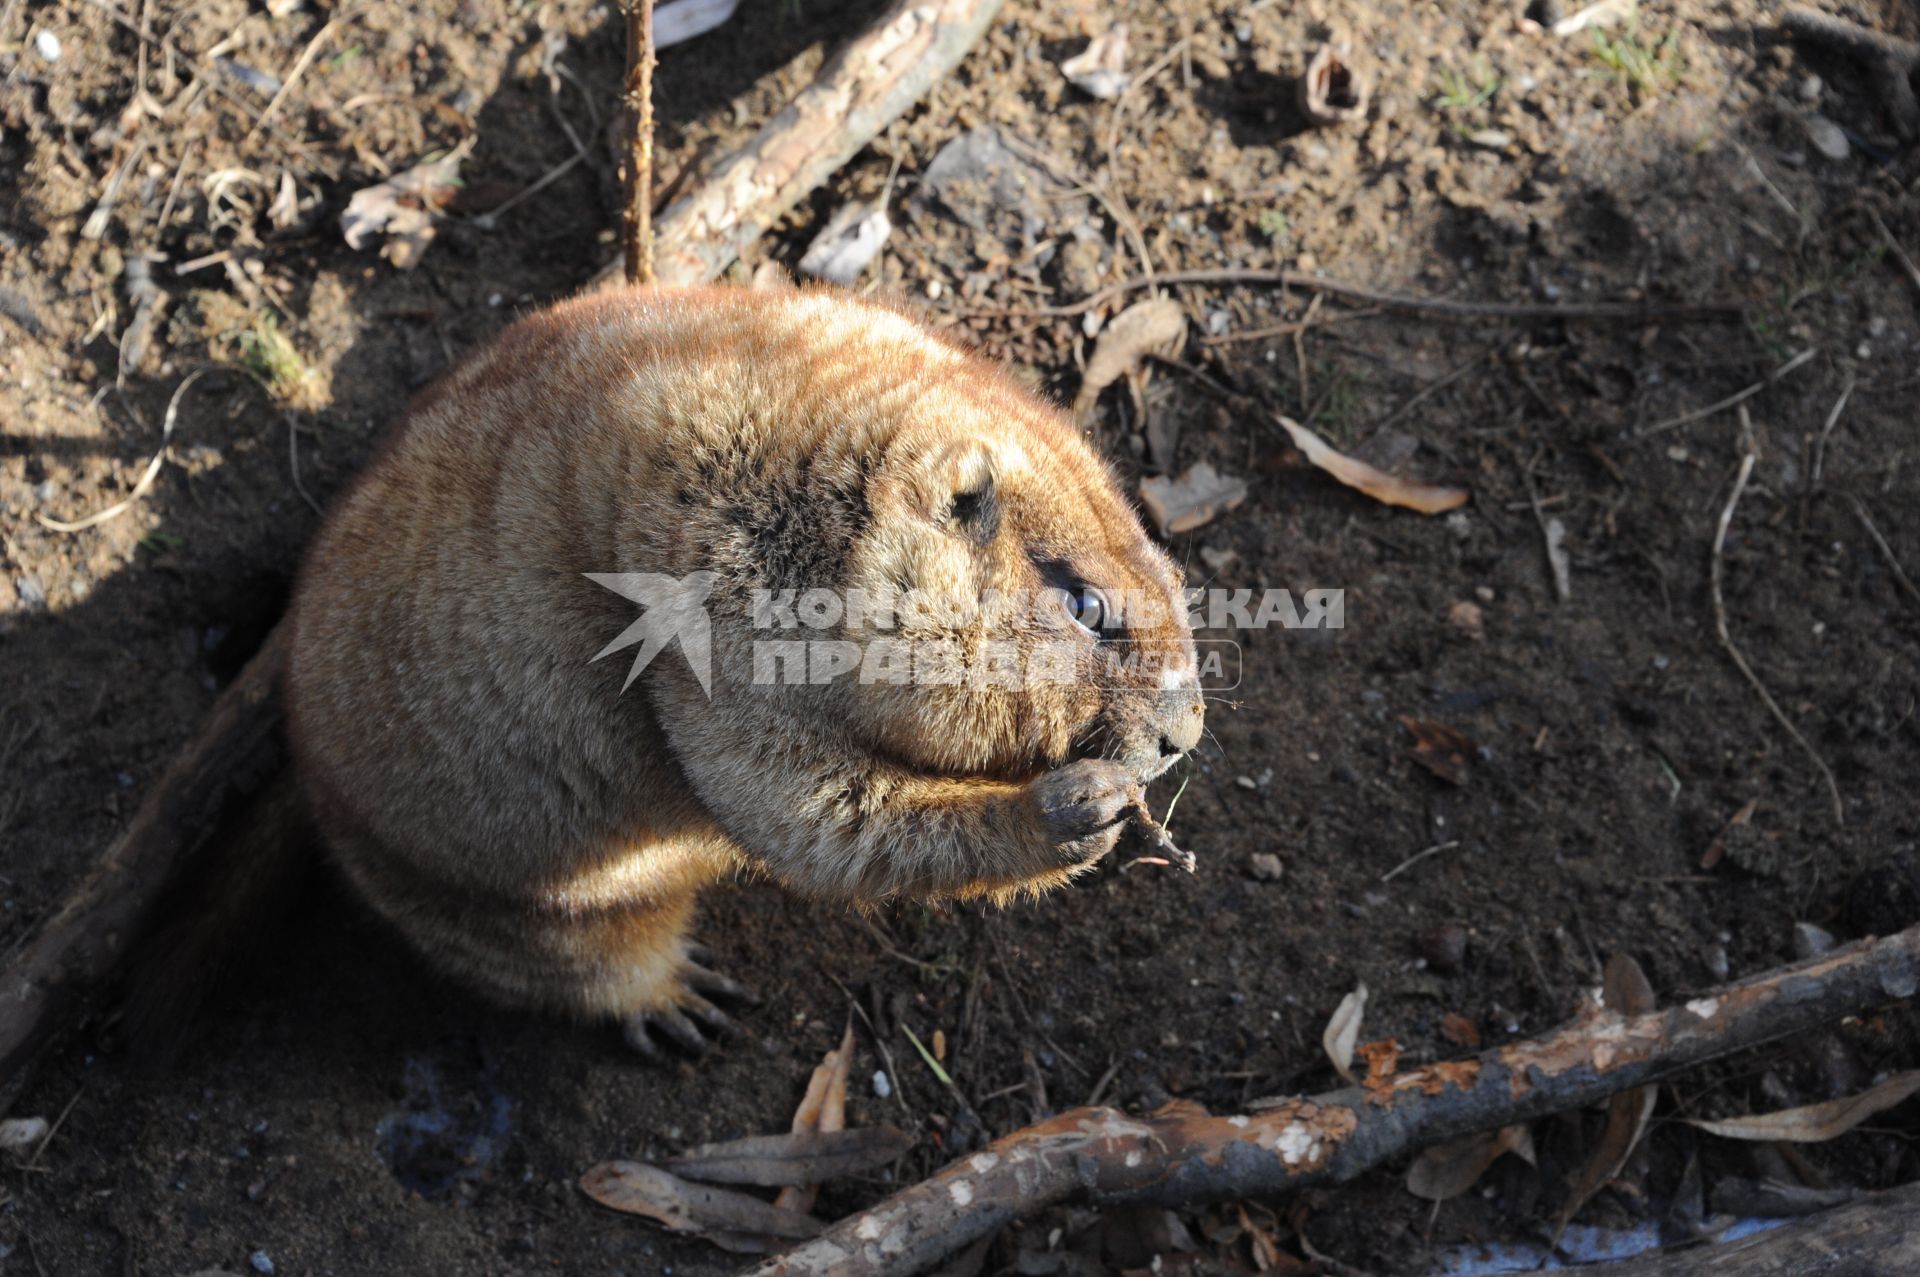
1084, 806
693, 1021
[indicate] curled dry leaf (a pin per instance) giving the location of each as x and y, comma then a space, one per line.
679, 20
1197, 497
822, 1109
798, 1158
1100, 70
1448, 1170
1157, 326
400, 211
731, 1219
1427, 498
1816, 1123
1343, 1030
1626, 991
850, 240
1331, 92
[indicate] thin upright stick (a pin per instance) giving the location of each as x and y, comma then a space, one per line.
1716, 572
639, 95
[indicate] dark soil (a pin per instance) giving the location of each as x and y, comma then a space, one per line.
348, 1111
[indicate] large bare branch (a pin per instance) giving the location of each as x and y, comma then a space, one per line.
235, 751
863, 88
1182, 1155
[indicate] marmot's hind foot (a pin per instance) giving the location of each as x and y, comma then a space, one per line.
693, 1022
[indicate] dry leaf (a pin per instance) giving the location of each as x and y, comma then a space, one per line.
1343, 1030
678, 20
1625, 990
1440, 749
1425, 497
1449, 1170
798, 1159
1157, 326
1816, 1123
1331, 92
1460, 1031
1100, 70
401, 209
639, 1189
1717, 849
851, 239
1197, 497
823, 1109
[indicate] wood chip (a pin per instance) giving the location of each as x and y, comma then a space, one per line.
1343, 1031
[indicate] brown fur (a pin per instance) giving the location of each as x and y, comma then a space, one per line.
533, 829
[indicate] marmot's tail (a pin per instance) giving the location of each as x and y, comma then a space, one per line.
217, 918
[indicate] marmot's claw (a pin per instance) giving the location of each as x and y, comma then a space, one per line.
701, 980
1084, 798
646, 1030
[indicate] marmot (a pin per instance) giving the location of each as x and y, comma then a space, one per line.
534, 825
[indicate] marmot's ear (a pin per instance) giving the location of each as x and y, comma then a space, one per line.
966, 491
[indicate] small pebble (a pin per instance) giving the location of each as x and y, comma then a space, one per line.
1468, 619
1264, 866
1810, 89
260, 1261
1827, 137
1245, 782
1717, 964
29, 589
1810, 941
47, 45
882, 1085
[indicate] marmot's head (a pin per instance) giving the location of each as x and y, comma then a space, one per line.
1043, 624
915, 513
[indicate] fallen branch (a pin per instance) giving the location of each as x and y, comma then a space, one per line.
1880, 1233
235, 751
1181, 1155
862, 89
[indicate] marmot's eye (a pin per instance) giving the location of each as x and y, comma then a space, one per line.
1087, 608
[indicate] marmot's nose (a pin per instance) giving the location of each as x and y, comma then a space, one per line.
1181, 730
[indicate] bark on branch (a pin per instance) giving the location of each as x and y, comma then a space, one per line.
863, 88
1182, 1155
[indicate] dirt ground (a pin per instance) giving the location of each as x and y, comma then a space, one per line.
347, 1111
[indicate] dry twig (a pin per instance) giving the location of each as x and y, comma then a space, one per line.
1747, 457
1306, 283
638, 230
1182, 1155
